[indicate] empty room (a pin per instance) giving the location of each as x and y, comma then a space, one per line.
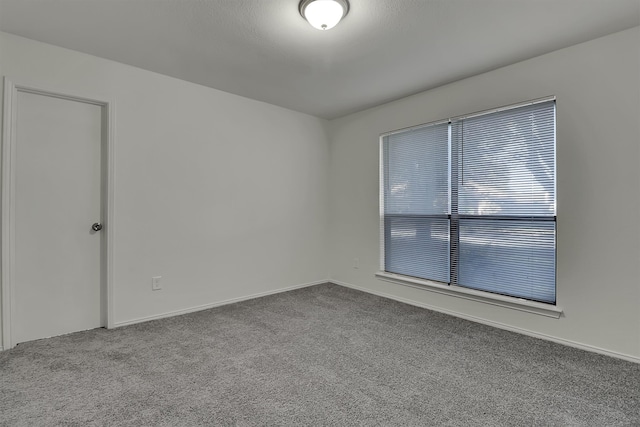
320, 212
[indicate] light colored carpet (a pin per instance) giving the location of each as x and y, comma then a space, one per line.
324, 355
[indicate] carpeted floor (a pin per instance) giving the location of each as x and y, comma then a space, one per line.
323, 355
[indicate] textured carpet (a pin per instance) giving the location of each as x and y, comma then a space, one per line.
323, 355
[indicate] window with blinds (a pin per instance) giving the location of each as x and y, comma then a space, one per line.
471, 202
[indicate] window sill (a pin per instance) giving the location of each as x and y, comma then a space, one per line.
520, 304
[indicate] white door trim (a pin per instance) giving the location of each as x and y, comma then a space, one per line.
7, 254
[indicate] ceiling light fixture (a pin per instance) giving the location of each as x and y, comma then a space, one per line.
323, 14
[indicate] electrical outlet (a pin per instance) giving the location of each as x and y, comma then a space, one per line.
155, 283
356, 263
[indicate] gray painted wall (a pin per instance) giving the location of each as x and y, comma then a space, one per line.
222, 196
597, 85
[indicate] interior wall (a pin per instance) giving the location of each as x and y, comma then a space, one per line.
226, 197
597, 85
222, 196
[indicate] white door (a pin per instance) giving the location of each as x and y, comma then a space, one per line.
58, 194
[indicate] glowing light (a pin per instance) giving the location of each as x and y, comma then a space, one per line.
324, 14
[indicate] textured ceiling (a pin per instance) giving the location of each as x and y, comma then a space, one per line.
263, 49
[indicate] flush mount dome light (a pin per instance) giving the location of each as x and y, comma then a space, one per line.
323, 14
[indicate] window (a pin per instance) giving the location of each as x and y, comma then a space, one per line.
471, 202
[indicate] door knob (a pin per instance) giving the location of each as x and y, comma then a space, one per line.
96, 227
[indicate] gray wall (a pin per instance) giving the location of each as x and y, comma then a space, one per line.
597, 85
222, 196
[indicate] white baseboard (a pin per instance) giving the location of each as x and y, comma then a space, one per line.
215, 304
499, 325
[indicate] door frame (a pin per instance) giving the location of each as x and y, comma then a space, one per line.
8, 189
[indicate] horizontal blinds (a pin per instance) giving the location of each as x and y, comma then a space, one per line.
510, 257
506, 165
416, 202
506, 202
417, 171
417, 247
473, 202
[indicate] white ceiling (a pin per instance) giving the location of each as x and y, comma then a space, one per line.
263, 49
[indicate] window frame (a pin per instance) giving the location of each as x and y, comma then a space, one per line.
453, 289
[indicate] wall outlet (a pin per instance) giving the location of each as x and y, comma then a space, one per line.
356, 263
155, 283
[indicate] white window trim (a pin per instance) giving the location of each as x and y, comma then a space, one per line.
515, 303
520, 304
